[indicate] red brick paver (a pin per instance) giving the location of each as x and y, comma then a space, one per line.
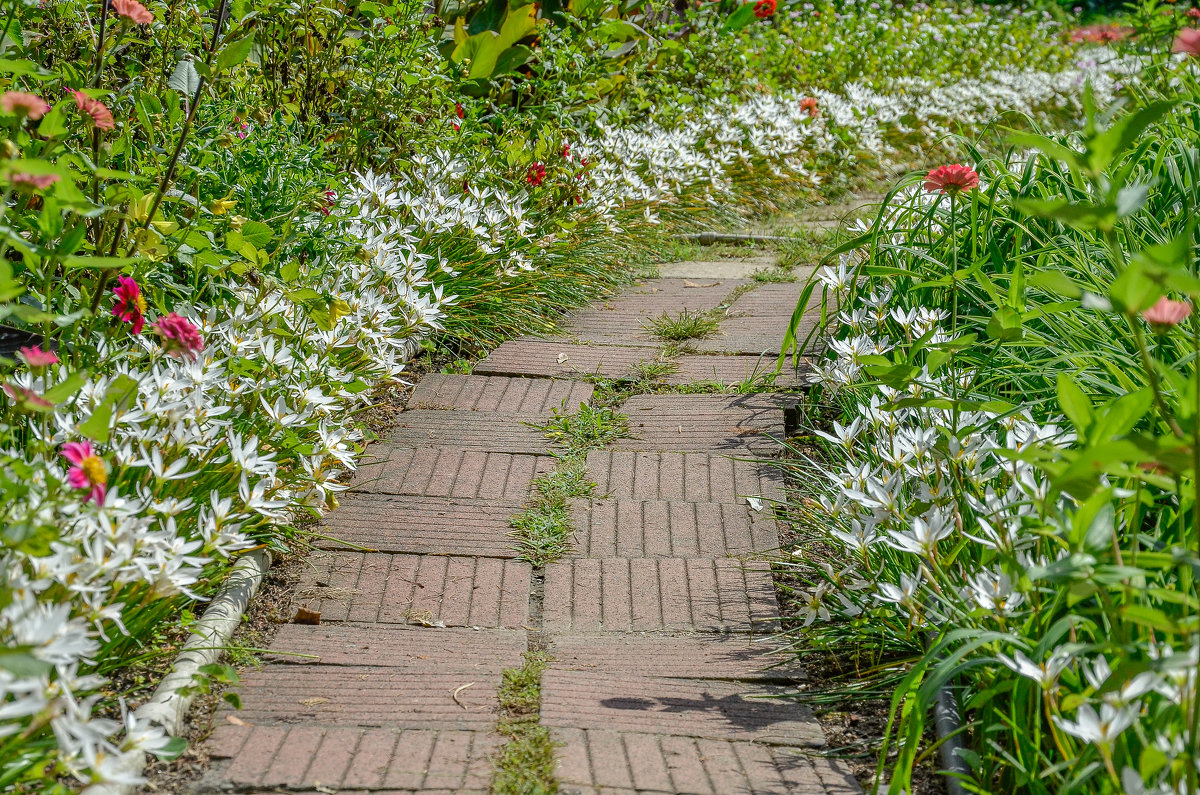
415, 589
638, 595
757, 321
564, 359
692, 656
429, 525
730, 371
470, 430
657, 529
694, 477
398, 646
742, 424
493, 393
449, 472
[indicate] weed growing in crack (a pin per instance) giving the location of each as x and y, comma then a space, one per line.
543, 530
526, 763
685, 325
589, 428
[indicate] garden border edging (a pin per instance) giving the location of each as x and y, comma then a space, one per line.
168, 708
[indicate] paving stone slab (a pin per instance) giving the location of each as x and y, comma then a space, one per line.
604, 761
563, 359
416, 589
714, 423
693, 477
469, 430
428, 525
398, 647
660, 529
702, 270
448, 472
755, 323
497, 394
346, 758
644, 594
729, 371
655, 296
339, 695
688, 656
678, 707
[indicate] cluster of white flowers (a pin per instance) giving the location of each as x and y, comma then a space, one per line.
913, 476
210, 453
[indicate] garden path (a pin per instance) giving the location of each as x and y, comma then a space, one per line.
657, 623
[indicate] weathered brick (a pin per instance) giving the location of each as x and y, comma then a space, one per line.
588, 763
336, 695
408, 589
680, 656
690, 477
721, 595
729, 371
470, 430
756, 322
678, 707
659, 529
384, 760
448, 472
709, 423
430, 525
703, 271
498, 394
398, 646
564, 359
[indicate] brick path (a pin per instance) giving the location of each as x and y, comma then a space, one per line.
658, 621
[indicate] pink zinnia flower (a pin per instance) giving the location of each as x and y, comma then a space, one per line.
1188, 42
33, 181
1167, 313
36, 357
24, 104
133, 11
1193, 13
27, 399
131, 304
99, 113
809, 104
951, 179
179, 337
536, 174
89, 471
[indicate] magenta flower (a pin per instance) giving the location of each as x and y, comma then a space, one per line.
131, 304
99, 113
36, 357
133, 11
179, 337
951, 179
89, 471
1188, 42
33, 181
27, 399
24, 104
1167, 313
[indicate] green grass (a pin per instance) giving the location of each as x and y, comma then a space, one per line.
588, 428
685, 325
543, 530
773, 275
526, 763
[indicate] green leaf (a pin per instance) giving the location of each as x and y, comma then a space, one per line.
1051, 147
120, 394
1080, 216
98, 263
511, 59
67, 389
1108, 145
233, 54
172, 749
54, 123
290, 272
1074, 403
740, 18
257, 233
1006, 325
1057, 282
20, 662
185, 79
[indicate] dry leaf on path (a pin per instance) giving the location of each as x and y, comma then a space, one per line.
693, 284
306, 616
458, 690
236, 721
312, 702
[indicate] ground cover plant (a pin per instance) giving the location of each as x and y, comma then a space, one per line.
1006, 488
226, 223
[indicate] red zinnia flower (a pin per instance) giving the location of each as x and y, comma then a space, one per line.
24, 104
458, 109
951, 179
536, 174
131, 304
89, 471
1166, 313
764, 8
100, 114
33, 181
810, 104
566, 151
179, 337
1188, 42
133, 11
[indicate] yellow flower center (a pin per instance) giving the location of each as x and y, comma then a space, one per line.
93, 467
140, 301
